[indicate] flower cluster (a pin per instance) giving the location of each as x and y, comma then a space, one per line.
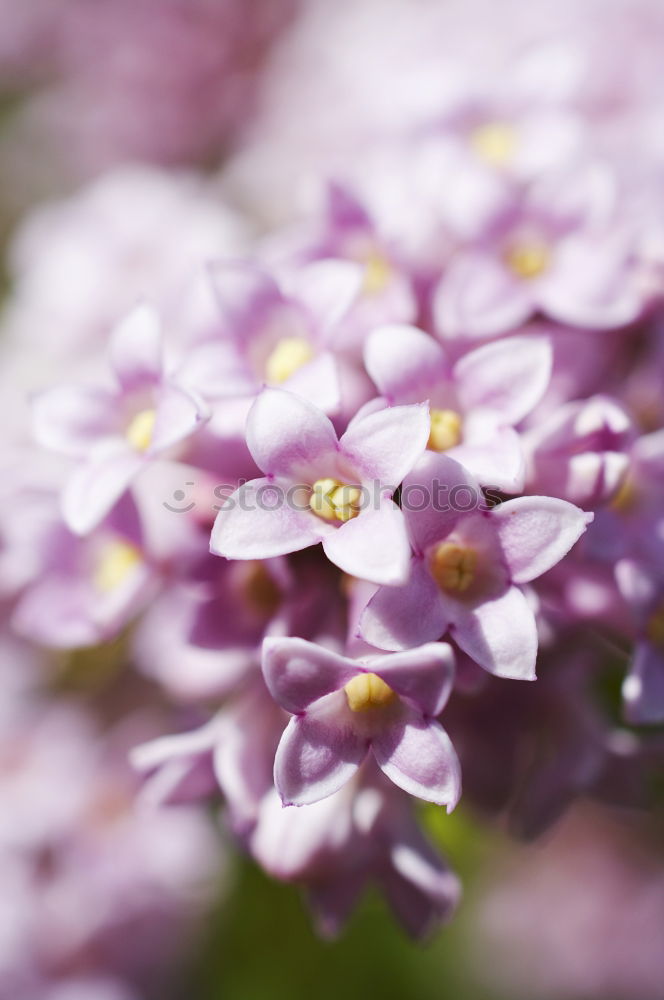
342, 487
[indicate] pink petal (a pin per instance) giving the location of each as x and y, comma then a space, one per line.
298, 672
332, 901
420, 889
508, 377
135, 348
249, 527
318, 382
424, 676
418, 756
495, 458
187, 745
399, 618
536, 532
54, 612
477, 297
178, 415
289, 436
591, 284
290, 843
318, 753
372, 546
403, 362
384, 445
94, 487
245, 295
433, 495
328, 289
500, 635
217, 370
71, 419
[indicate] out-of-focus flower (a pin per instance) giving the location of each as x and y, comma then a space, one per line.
91, 882
586, 910
113, 434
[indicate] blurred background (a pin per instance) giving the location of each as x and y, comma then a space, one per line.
135, 137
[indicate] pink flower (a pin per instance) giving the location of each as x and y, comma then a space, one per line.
475, 401
558, 250
87, 588
467, 569
580, 452
254, 331
113, 433
320, 488
344, 708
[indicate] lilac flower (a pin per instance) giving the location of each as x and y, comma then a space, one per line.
112, 434
364, 833
316, 487
87, 588
343, 229
253, 332
419, 886
484, 141
559, 251
475, 402
580, 452
344, 708
468, 567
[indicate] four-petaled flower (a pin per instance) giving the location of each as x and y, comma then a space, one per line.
345, 708
113, 433
467, 568
320, 488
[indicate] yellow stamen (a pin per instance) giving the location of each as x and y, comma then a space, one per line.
140, 430
117, 561
445, 430
528, 260
655, 627
495, 142
368, 691
289, 355
453, 566
335, 501
377, 274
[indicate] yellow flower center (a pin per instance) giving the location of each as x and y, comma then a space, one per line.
445, 430
377, 273
368, 691
116, 562
335, 501
495, 142
140, 430
655, 627
289, 355
453, 566
528, 260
